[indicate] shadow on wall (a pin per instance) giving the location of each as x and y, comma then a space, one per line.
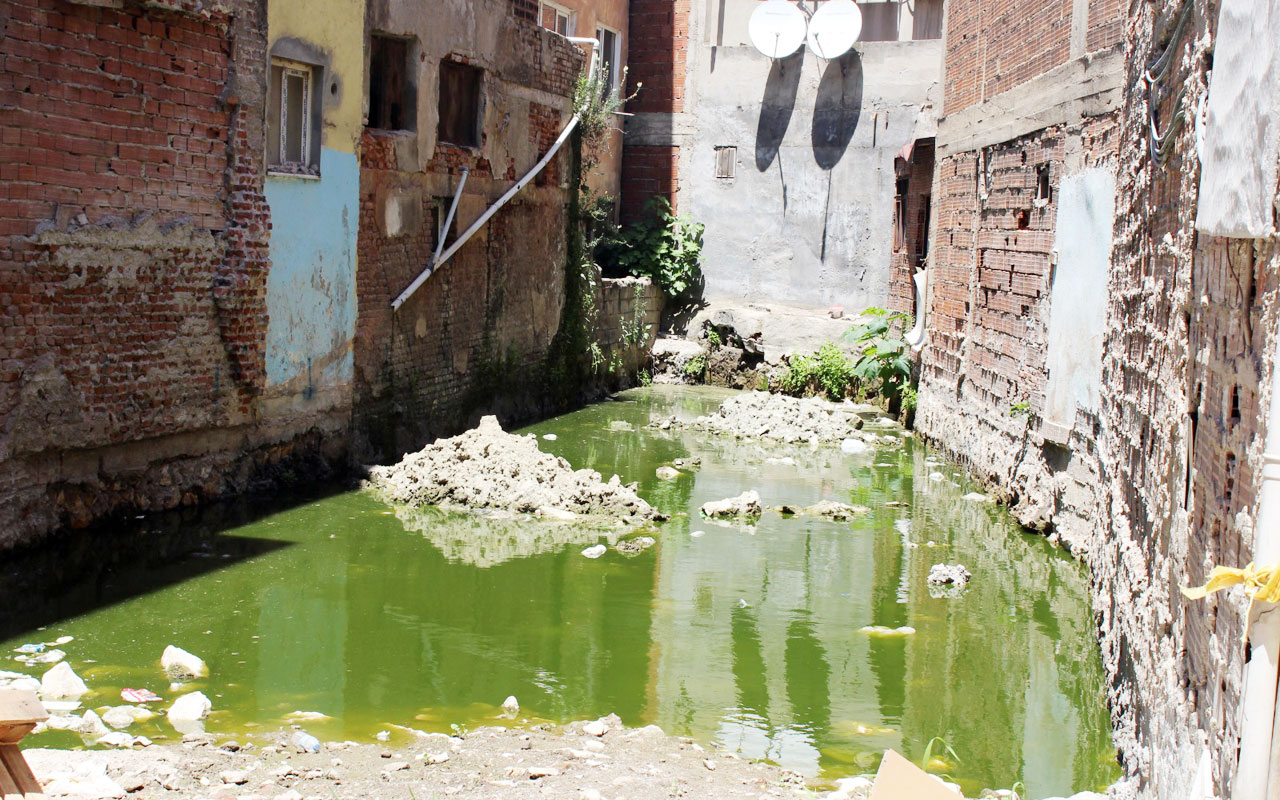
776, 107
837, 109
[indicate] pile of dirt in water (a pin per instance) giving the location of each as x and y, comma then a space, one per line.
488, 468
789, 419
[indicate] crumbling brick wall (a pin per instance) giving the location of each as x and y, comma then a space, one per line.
132, 258
473, 337
912, 230
995, 46
1159, 484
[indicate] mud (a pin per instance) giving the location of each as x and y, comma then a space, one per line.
488, 468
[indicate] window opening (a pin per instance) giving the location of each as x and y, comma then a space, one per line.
726, 161
1043, 189
922, 237
900, 215
558, 19
460, 104
610, 58
290, 120
392, 100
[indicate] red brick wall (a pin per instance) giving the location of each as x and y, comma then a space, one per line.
656, 64
993, 47
905, 258
133, 245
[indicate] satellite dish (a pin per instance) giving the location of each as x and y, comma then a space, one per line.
834, 28
776, 28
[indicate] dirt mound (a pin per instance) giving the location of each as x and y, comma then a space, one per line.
488, 468
776, 416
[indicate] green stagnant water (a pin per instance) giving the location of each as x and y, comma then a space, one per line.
386, 619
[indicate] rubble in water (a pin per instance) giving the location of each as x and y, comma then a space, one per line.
488, 468
746, 504
788, 419
831, 509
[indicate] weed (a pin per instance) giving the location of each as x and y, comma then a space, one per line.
713, 336
930, 760
883, 361
661, 246
696, 367
762, 382
829, 372
645, 377
1021, 409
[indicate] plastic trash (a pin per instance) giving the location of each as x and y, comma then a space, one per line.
306, 742
595, 551
29, 649
139, 696
382, 736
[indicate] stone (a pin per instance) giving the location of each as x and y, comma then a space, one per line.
234, 776
180, 665
187, 713
115, 739
595, 728
124, 716
668, 473
954, 574
397, 766
91, 726
511, 705
636, 545
595, 551
853, 446
542, 772
62, 682
746, 504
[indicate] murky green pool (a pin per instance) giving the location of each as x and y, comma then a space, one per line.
745, 637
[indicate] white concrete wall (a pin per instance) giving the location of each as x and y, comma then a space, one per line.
807, 220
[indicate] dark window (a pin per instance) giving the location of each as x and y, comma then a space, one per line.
460, 104
392, 99
1043, 189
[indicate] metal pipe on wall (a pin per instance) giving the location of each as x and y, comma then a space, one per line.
435, 262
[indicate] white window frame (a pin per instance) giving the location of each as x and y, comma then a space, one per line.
615, 57
568, 14
304, 168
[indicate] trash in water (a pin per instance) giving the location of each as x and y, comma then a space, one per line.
696, 534
139, 696
308, 743
595, 551
550, 437
511, 705
382, 736
881, 630
29, 649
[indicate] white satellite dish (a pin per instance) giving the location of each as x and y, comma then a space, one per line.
834, 28
777, 28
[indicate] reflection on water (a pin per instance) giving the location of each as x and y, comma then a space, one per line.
748, 637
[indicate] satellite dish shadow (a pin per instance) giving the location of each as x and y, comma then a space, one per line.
776, 107
837, 109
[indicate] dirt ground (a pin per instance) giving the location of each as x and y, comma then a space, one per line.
569, 763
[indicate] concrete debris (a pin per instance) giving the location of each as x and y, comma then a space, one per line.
489, 468
831, 509
595, 728
636, 545
62, 682
746, 504
595, 551
180, 665
976, 497
187, 713
91, 726
854, 447
668, 473
511, 705
124, 716
952, 574
788, 419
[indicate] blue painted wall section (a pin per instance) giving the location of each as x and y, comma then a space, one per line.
311, 290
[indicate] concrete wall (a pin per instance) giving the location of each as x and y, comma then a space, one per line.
311, 298
807, 218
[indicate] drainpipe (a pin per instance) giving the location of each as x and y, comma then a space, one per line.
1258, 700
437, 261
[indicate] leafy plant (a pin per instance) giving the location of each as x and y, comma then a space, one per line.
696, 367
661, 246
883, 362
713, 336
1019, 409
595, 103
829, 371
909, 399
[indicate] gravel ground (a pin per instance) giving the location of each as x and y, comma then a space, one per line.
570, 763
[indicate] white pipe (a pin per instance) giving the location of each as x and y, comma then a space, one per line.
453, 209
520, 184
1258, 699
915, 336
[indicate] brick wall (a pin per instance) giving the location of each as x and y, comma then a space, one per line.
471, 340
133, 241
908, 254
994, 47
1159, 484
656, 65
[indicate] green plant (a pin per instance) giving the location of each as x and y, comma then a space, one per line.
828, 371
645, 377
909, 399
933, 758
1021, 409
661, 246
883, 361
713, 336
762, 382
595, 103
696, 367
